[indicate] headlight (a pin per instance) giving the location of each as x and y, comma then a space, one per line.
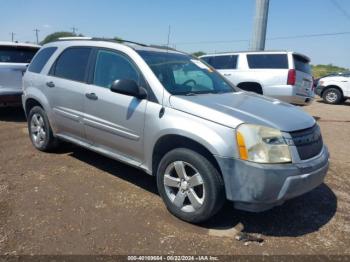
262, 144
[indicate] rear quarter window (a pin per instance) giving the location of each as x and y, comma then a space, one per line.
268, 61
41, 59
301, 64
72, 64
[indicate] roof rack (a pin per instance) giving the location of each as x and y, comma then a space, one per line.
99, 39
121, 41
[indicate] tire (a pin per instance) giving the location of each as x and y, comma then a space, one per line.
332, 96
198, 198
40, 131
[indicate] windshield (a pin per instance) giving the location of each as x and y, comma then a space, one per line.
184, 75
10, 54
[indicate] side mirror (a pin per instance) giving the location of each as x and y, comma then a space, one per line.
128, 87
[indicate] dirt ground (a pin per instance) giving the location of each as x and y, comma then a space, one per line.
75, 201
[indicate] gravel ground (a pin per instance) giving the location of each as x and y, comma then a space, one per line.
74, 201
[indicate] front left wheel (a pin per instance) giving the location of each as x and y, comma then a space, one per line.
40, 131
189, 184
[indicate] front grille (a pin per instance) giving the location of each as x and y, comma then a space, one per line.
308, 142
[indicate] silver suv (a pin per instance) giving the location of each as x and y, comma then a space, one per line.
14, 59
172, 116
279, 74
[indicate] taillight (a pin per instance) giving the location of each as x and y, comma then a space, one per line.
292, 75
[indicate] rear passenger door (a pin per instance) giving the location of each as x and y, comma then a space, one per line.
114, 122
66, 87
225, 64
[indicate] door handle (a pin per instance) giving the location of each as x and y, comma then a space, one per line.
50, 84
227, 74
91, 96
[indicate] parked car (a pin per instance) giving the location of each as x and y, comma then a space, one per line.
279, 74
334, 89
14, 58
174, 117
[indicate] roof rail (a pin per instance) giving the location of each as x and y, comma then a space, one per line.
99, 39
67, 38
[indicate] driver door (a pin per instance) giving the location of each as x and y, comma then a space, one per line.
114, 122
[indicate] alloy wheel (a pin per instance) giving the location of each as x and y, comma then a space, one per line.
38, 130
184, 186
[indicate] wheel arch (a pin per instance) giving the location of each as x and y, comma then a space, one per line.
332, 86
251, 86
30, 103
169, 142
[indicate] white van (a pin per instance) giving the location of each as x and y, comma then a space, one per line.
279, 74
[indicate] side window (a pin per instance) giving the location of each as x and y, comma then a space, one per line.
41, 59
224, 62
268, 61
111, 66
72, 64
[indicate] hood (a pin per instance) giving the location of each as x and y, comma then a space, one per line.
233, 109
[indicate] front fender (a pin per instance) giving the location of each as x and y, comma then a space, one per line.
219, 140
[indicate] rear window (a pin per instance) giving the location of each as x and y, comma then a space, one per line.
268, 61
72, 64
302, 64
14, 54
222, 62
41, 59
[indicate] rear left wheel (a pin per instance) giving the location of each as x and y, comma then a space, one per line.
40, 131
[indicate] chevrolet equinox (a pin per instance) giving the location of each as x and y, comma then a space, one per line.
171, 115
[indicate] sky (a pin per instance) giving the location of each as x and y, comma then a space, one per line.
196, 25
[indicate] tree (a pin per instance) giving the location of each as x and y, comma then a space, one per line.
198, 54
323, 70
54, 36
118, 39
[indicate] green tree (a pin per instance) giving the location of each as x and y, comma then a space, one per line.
54, 36
198, 54
118, 39
323, 70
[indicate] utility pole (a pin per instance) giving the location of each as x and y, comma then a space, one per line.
260, 25
74, 29
37, 35
12, 36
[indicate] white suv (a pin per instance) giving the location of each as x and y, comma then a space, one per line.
14, 59
279, 74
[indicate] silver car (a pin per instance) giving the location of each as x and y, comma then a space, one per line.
14, 59
280, 74
171, 115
